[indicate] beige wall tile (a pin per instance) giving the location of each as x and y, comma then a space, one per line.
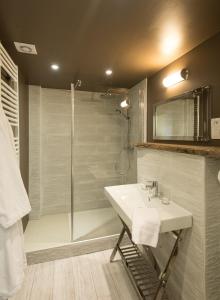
192, 182
50, 119
97, 143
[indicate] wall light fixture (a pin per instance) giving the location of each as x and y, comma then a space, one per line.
176, 77
125, 103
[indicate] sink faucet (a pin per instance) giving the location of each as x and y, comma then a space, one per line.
152, 188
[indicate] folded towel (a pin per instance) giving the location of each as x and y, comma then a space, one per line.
145, 226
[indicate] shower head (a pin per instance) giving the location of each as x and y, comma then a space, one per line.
114, 93
109, 94
125, 104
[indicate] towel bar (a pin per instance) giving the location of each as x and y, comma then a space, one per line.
143, 274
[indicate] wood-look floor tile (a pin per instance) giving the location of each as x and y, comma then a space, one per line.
86, 277
43, 282
83, 283
63, 285
120, 279
105, 288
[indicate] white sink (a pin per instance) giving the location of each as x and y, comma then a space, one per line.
125, 198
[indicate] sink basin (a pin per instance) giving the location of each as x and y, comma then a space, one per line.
125, 198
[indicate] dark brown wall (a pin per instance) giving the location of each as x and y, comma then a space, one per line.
203, 63
24, 133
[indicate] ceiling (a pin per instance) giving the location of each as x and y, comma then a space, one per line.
133, 37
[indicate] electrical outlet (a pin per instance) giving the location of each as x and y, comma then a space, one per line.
215, 129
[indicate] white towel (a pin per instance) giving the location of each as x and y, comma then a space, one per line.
14, 204
145, 226
12, 260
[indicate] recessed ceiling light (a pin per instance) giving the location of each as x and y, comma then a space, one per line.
108, 72
55, 67
25, 48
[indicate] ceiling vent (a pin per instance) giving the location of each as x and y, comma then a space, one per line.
25, 48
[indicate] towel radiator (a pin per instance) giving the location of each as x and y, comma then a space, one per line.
143, 274
9, 93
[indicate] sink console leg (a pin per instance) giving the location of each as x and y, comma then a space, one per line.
117, 245
143, 276
165, 274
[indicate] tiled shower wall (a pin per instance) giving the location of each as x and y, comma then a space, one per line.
100, 157
50, 165
55, 150
137, 127
99, 136
191, 181
97, 143
35, 151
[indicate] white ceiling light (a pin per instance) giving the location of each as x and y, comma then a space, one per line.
108, 72
176, 77
25, 48
55, 67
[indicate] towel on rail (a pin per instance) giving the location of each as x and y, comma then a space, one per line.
14, 204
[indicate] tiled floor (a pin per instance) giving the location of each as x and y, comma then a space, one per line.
86, 277
55, 230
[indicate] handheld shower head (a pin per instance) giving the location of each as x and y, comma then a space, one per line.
78, 83
123, 114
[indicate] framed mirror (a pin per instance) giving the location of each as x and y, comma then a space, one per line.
185, 117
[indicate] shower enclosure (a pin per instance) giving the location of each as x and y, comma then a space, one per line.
79, 143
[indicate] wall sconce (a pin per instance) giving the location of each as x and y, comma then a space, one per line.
125, 103
176, 77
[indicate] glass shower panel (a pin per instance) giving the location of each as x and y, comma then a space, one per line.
96, 147
50, 166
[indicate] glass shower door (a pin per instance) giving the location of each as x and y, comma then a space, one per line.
96, 144
72, 161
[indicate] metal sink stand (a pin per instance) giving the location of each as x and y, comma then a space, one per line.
142, 272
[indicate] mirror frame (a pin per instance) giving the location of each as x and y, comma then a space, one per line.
202, 116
